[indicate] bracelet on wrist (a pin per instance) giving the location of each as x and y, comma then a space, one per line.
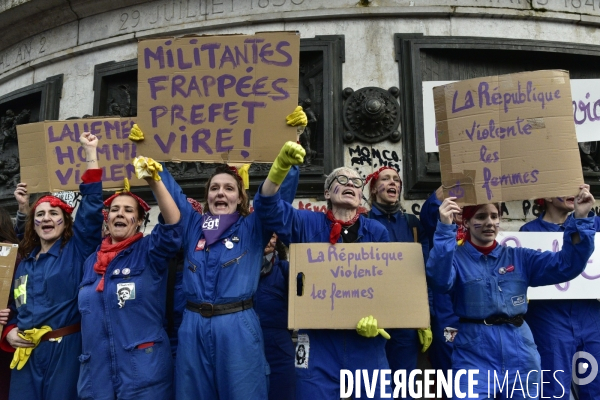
90, 160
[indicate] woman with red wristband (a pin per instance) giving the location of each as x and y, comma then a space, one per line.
44, 332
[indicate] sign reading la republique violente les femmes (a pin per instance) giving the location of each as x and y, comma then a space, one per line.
500, 137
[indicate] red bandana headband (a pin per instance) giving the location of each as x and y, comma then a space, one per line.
140, 201
55, 202
372, 178
126, 191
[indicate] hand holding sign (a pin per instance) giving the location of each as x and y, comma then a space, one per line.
448, 209
583, 202
367, 327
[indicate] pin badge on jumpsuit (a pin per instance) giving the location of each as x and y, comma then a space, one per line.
125, 291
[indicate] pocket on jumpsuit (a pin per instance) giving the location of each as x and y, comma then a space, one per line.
254, 331
150, 365
84, 383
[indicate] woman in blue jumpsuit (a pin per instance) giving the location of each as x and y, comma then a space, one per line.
271, 305
563, 327
488, 285
385, 187
126, 351
220, 332
46, 287
440, 304
327, 351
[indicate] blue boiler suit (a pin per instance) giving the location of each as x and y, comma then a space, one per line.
52, 283
330, 350
271, 305
223, 356
440, 304
112, 364
563, 327
403, 348
480, 290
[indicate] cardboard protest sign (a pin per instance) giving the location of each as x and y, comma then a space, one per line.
508, 137
217, 98
343, 283
585, 286
586, 111
52, 159
8, 258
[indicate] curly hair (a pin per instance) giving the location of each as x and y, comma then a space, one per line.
31, 240
244, 207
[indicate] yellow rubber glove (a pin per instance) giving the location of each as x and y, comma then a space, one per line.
297, 118
291, 154
244, 174
136, 133
425, 337
146, 167
22, 353
367, 327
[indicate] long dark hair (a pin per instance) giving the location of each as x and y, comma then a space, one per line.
7, 230
31, 239
244, 207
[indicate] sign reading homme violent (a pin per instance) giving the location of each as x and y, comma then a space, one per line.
342, 283
216, 98
508, 137
53, 160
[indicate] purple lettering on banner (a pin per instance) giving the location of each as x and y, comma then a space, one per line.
177, 112
196, 116
177, 82
60, 155
116, 172
157, 112
108, 127
166, 148
229, 112
96, 128
225, 81
158, 56
199, 141
213, 111
184, 142
154, 87
208, 82
241, 85
221, 138
251, 105
254, 43
211, 52
247, 133
468, 102
180, 62
278, 89
227, 56
482, 92
64, 179
104, 150
51, 136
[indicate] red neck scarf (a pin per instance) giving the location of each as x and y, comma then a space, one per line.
108, 251
483, 250
336, 227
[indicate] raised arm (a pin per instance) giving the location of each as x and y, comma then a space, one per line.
440, 269
291, 154
22, 197
166, 204
87, 228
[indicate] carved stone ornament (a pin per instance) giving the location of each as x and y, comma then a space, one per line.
371, 115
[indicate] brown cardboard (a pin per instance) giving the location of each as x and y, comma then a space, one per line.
540, 160
52, 159
239, 118
8, 258
395, 293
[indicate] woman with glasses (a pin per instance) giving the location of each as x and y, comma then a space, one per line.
327, 351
